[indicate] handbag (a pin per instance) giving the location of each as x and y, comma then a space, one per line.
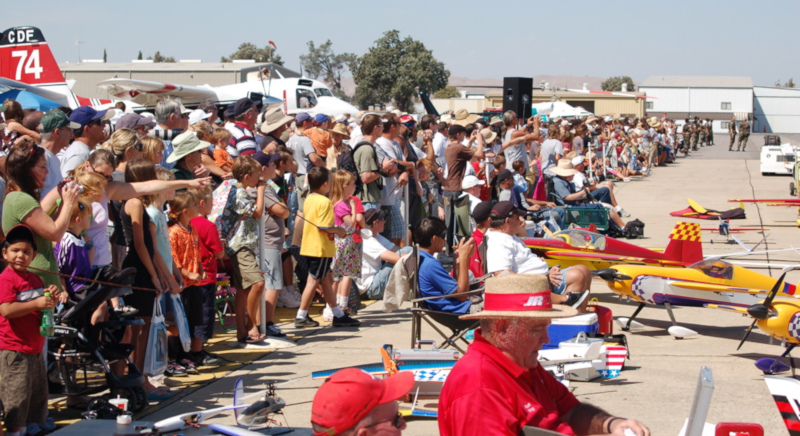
182, 322
155, 358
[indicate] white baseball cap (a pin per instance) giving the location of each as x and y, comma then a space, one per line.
471, 181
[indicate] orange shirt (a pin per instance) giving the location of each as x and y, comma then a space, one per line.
320, 139
185, 246
221, 158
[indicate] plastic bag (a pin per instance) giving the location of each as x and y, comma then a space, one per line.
155, 358
182, 322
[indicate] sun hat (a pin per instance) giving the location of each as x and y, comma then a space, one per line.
349, 395
520, 296
471, 181
463, 117
496, 120
564, 168
273, 119
340, 129
446, 118
489, 135
591, 119
185, 144
56, 119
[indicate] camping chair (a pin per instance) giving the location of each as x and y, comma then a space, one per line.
435, 319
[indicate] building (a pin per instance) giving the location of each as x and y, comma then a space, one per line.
714, 97
776, 110
193, 73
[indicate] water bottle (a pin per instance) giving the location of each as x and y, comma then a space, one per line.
46, 329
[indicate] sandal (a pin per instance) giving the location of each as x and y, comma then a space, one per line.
255, 340
159, 394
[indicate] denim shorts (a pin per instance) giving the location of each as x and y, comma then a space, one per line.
561, 287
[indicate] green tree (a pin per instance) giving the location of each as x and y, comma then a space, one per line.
248, 50
789, 84
615, 83
323, 62
105, 56
393, 69
158, 58
447, 92
140, 55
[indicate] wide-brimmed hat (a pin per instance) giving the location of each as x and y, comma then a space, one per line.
273, 119
185, 144
564, 168
496, 120
463, 117
489, 135
446, 118
591, 119
340, 129
520, 296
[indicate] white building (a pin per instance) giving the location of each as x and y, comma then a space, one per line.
713, 97
776, 110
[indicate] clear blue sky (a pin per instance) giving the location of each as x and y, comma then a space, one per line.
473, 38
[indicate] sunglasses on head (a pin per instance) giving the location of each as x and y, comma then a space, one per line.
108, 178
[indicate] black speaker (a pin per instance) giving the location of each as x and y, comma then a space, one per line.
518, 95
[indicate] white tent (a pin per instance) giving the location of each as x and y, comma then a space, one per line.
563, 110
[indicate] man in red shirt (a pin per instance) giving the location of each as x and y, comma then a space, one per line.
498, 387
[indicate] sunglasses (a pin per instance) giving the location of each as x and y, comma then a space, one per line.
397, 421
95, 123
138, 147
108, 178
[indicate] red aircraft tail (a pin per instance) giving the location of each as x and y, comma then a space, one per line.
684, 243
26, 57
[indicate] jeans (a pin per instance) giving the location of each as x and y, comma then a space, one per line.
381, 278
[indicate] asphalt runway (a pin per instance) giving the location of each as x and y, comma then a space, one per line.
660, 378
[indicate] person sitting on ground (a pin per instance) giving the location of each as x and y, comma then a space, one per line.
601, 191
567, 195
352, 402
506, 253
379, 256
430, 234
501, 372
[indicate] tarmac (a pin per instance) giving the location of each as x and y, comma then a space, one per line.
658, 382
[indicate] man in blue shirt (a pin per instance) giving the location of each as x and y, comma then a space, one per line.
430, 234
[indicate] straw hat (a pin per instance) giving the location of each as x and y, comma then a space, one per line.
273, 119
340, 129
463, 117
564, 168
520, 296
489, 135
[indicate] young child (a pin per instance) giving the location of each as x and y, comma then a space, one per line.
74, 250
220, 139
243, 216
210, 250
186, 253
319, 248
519, 175
347, 261
24, 389
153, 149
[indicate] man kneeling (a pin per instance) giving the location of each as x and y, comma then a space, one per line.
431, 234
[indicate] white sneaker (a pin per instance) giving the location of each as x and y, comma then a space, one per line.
327, 314
621, 212
626, 179
288, 299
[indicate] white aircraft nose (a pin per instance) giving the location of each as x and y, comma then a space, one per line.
333, 106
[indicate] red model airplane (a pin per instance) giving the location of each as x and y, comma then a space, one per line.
576, 246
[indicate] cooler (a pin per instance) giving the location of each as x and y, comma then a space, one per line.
562, 329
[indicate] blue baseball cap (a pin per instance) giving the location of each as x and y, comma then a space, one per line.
302, 117
265, 159
85, 115
321, 118
241, 106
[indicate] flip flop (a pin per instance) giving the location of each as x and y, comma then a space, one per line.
155, 396
256, 340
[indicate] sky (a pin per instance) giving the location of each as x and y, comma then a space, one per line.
472, 38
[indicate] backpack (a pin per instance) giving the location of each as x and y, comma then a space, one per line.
634, 229
346, 161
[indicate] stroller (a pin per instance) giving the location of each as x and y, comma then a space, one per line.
80, 353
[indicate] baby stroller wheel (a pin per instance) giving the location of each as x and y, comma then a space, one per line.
137, 398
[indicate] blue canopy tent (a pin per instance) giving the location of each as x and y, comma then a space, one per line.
29, 100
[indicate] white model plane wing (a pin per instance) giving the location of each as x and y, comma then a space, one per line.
148, 93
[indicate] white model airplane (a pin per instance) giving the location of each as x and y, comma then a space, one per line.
27, 64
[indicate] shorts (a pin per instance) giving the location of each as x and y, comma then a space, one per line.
24, 388
347, 262
192, 299
561, 287
209, 293
246, 271
272, 265
319, 267
395, 225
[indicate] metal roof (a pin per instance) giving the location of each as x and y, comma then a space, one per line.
697, 82
173, 67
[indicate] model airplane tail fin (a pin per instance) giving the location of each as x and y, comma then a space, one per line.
238, 393
26, 57
786, 393
684, 243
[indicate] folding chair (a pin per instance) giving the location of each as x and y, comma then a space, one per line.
420, 311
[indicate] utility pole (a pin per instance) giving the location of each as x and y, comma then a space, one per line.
78, 43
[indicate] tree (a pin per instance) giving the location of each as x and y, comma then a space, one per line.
615, 83
789, 84
392, 70
447, 92
140, 55
158, 58
248, 50
323, 62
105, 56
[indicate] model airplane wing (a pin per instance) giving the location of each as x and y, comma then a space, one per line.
149, 93
7, 84
374, 369
417, 413
765, 200
569, 255
737, 309
713, 288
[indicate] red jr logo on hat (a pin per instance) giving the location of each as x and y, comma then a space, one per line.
517, 302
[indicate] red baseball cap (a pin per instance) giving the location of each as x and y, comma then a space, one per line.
350, 394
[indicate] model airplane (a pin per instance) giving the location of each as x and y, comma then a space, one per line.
699, 212
786, 394
708, 283
26, 63
576, 246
